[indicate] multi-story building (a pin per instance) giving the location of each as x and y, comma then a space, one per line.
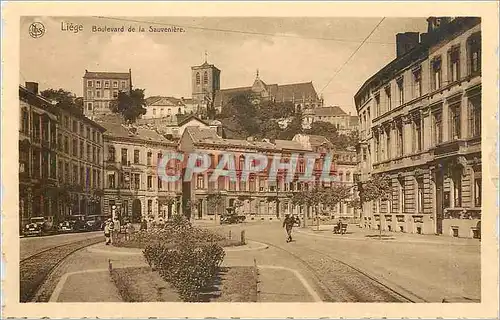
59, 159
79, 161
101, 88
343, 121
167, 108
38, 183
346, 167
258, 196
132, 183
420, 126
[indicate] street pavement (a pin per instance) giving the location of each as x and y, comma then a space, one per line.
31, 245
429, 268
315, 266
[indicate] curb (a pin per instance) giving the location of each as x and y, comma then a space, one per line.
261, 246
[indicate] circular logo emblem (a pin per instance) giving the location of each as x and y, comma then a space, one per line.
36, 29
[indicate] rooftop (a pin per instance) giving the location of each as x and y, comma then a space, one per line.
106, 75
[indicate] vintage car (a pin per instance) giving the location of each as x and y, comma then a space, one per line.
39, 226
95, 222
73, 223
231, 217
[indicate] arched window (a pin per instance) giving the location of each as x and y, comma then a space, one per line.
197, 78
179, 110
205, 78
347, 176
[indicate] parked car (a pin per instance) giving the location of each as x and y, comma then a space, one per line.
39, 226
231, 217
95, 222
75, 223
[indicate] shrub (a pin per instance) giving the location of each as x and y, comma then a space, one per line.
189, 267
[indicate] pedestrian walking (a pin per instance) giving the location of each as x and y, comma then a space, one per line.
129, 230
107, 231
288, 225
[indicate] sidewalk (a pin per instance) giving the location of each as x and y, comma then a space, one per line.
356, 233
85, 276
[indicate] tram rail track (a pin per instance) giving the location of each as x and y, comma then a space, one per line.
348, 283
34, 269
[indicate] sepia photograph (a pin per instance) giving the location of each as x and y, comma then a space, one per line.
250, 159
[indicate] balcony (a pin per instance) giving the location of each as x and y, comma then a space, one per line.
462, 213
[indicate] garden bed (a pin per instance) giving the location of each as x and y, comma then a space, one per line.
233, 284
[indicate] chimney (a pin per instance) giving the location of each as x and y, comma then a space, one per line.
406, 42
32, 87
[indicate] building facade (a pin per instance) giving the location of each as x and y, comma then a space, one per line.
167, 108
60, 159
101, 88
343, 121
420, 126
132, 183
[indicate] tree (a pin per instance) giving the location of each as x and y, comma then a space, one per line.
374, 189
63, 98
215, 200
130, 106
293, 128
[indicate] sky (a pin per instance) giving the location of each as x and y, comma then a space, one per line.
284, 50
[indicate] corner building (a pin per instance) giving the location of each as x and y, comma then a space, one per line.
420, 125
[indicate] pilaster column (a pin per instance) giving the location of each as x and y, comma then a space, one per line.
464, 130
445, 122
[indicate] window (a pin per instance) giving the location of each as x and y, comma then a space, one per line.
115, 94
474, 54
106, 84
98, 84
106, 94
75, 174
197, 78
94, 154
417, 135
123, 84
111, 154
75, 126
205, 78
137, 181
111, 180
200, 182
98, 93
115, 84
124, 156
136, 156
221, 183
89, 152
388, 143
457, 190
88, 133
454, 64
66, 145
437, 128
399, 139
75, 147
402, 200
149, 156
150, 207
243, 185
388, 103
150, 182
477, 189
377, 148
417, 82
420, 195
377, 105
66, 172
159, 157
455, 122
82, 175
81, 129
154, 112
94, 178
160, 183
98, 155
90, 94
401, 91
93, 135
474, 110
436, 73
90, 83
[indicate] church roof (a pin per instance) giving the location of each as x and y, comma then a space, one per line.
287, 92
334, 111
163, 101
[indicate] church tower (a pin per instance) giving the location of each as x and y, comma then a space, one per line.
205, 82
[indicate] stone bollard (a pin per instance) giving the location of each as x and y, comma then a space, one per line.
229, 234
110, 266
243, 240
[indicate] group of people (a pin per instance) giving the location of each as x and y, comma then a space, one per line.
112, 231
